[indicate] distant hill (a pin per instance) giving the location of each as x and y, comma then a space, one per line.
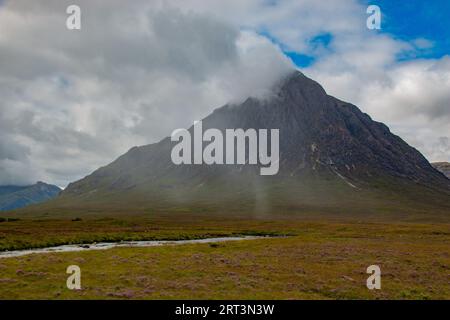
443, 167
15, 197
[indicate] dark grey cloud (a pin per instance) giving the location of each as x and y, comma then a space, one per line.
75, 100
11, 150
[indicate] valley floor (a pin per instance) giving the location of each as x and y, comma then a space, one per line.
316, 261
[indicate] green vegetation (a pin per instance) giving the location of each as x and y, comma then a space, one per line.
317, 261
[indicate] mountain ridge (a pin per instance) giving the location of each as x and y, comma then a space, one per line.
16, 197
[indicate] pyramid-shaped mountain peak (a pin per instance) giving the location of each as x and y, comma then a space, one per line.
329, 153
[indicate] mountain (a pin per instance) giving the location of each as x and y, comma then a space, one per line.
333, 158
15, 197
443, 167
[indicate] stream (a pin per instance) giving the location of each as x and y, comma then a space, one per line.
123, 244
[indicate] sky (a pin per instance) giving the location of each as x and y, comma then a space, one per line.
74, 100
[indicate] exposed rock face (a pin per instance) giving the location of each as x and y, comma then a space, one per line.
15, 197
330, 152
443, 167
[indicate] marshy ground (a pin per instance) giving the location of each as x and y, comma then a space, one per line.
316, 261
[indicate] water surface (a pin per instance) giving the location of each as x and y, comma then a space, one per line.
110, 245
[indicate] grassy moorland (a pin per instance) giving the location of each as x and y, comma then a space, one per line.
317, 261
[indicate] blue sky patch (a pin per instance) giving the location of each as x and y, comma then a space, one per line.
416, 19
423, 24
